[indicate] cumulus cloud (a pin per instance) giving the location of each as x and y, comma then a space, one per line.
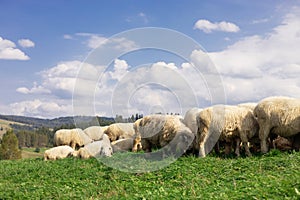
208, 27
42, 108
8, 51
262, 65
26, 43
248, 70
36, 89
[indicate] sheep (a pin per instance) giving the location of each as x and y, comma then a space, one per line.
119, 131
84, 137
94, 132
103, 128
162, 130
95, 149
191, 122
122, 145
250, 105
277, 115
225, 123
59, 152
69, 137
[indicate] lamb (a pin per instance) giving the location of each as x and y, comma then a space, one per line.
59, 152
119, 131
94, 132
277, 115
122, 145
225, 123
95, 149
162, 130
69, 137
191, 122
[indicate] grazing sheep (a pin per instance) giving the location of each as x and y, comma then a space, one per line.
225, 123
277, 115
59, 152
84, 137
103, 128
191, 122
119, 131
94, 132
122, 145
162, 130
95, 149
69, 137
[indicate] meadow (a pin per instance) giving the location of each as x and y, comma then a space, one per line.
275, 175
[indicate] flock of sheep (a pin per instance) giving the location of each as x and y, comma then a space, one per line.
274, 122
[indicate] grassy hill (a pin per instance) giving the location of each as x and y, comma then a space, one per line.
7, 125
273, 176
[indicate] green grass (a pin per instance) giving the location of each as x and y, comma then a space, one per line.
273, 176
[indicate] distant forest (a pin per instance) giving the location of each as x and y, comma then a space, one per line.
37, 132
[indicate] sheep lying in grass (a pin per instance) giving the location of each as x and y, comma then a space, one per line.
119, 131
162, 130
95, 149
59, 152
70, 137
225, 123
94, 132
278, 115
122, 145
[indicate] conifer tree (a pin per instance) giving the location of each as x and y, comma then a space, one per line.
9, 148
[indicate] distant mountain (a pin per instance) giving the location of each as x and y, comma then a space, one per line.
33, 123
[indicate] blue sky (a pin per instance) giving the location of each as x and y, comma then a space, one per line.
254, 46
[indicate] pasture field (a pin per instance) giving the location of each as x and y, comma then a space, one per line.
275, 175
30, 153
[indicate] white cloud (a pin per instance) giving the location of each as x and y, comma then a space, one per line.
95, 41
36, 89
260, 21
68, 37
26, 43
9, 51
42, 108
208, 27
262, 65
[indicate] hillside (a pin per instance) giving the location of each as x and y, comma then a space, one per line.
31, 123
6, 125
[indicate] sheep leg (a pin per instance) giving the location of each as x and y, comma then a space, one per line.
244, 139
237, 147
228, 146
202, 141
263, 135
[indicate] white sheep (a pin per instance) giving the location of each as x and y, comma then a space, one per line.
122, 145
95, 149
119, 131
94, 132
69, 137
191, 122
162, 130
278, 115
59, 152
225, 123
84, 137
